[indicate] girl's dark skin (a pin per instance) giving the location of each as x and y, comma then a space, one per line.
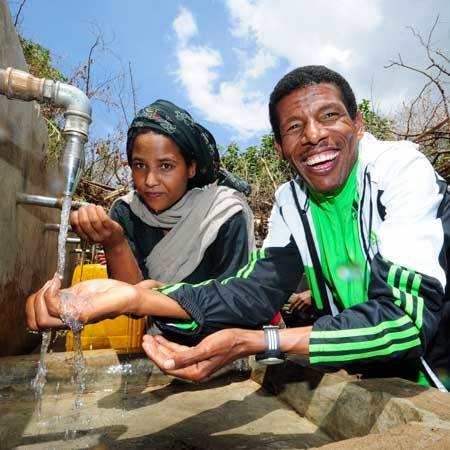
160, 175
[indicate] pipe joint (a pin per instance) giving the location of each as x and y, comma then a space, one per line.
17, 84
76, 105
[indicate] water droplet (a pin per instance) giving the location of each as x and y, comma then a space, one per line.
350, 272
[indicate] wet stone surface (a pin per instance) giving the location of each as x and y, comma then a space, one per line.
133, 406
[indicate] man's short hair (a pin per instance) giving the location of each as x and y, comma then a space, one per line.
306, 76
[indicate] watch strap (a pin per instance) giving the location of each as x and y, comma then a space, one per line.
272, 353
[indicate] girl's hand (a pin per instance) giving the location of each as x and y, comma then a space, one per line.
85, 302
91, 223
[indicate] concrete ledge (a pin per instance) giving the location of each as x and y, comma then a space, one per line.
414, 435
106, 367
345, 407
369, 414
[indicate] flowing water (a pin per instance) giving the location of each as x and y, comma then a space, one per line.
129, 404
39, 381
65, 213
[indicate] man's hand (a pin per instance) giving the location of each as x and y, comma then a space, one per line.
88, 301
218, 349
91, 223
195, 363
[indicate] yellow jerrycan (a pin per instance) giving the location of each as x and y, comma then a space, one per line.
122, 333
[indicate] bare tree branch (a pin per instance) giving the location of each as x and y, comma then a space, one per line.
433, 71
89, 62
432, 130
133, 89
16, 20
426, 119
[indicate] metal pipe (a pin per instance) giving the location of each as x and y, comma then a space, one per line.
17, 84
80, 250
55, 227
42, 200
73, 240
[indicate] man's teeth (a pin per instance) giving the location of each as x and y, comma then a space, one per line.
320, 158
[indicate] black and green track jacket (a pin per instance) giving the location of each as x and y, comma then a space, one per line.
404, 229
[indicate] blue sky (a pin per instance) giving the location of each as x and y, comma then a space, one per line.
221, 59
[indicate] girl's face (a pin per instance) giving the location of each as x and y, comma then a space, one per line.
160, 173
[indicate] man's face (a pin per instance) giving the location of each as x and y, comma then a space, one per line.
318, 137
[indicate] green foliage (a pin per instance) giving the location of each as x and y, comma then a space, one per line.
375, 124
39, 61
261, 166
104, 168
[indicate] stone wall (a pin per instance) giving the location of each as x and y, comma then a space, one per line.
369, 414
27, 252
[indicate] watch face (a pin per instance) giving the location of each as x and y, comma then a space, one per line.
269, 360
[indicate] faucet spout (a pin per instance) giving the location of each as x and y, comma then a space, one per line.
17, 84
71, 162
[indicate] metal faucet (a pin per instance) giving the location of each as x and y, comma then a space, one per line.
17, 84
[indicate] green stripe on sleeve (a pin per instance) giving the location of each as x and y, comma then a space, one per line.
419, 318
245, 271
417, 299
408, 298
400, 292
403, 280
355, 332
260, 255
382, 352
416, 284
359, 345
185, 326
391, 275
172, 287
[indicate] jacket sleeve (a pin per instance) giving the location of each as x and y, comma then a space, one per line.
229, 252
248, 299
402, 313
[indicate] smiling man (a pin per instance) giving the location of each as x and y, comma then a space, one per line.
366, 220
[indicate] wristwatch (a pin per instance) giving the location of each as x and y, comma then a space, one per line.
272, 354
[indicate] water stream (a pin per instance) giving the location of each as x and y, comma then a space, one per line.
39, 381
62, 238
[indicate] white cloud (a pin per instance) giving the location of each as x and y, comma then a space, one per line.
355, 37
259, 64
184, 26
306, 32
268, 31
230, 103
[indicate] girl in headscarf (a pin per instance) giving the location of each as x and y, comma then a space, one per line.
178, 223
